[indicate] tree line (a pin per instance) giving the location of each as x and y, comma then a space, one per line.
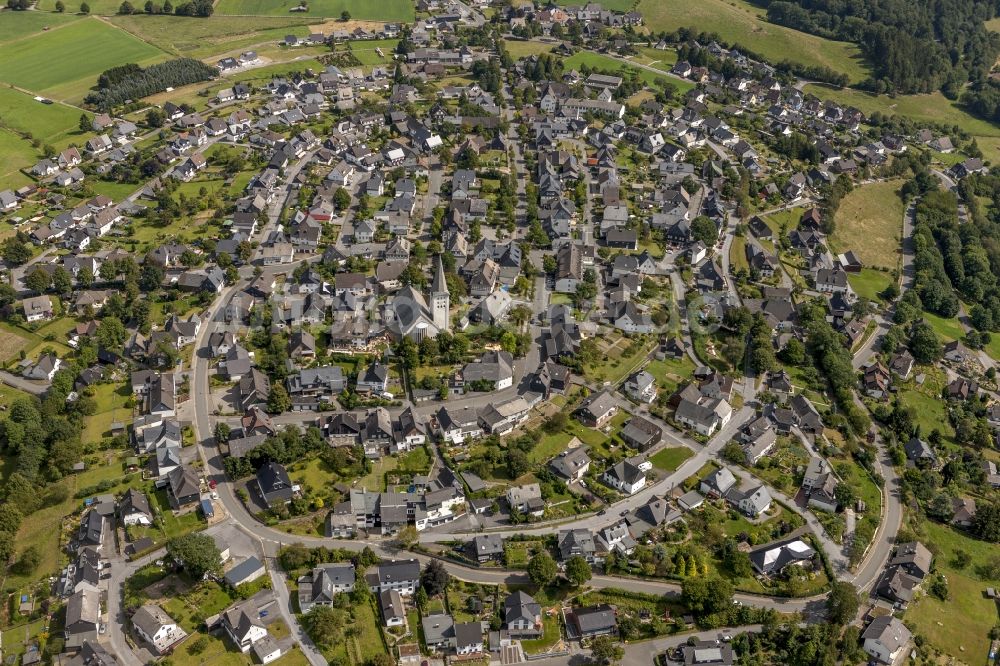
120, 84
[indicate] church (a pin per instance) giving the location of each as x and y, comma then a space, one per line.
408, 315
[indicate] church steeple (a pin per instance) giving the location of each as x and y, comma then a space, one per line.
440, 299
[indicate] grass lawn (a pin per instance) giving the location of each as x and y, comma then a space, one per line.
929, 409
12, 341
18, 25
607, 63
375, 480
111, 407
783, 218
17, 154
869, 283
55, 124
670, 459
173, 526
361, 644
870, 222
960, 625
211, 36
744, 24
946, 329
616, 363
548, 447
551, 634
365, 51
85, 47
520, 49
387, 10
193, 606
738, 254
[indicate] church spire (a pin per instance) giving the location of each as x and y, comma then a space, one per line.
440, 285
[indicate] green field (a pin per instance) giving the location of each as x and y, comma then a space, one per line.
366, 54
607, 63
55, 124
741, 23
929, 410
17, 154
519, 49
946, 329
360, 10
870, 222
211, 36
17, 25
610, 5
65, 62
869, 283
960, 625
670, 459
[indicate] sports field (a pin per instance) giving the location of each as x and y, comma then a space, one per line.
870, 222
741, 23
65, 61
365, 10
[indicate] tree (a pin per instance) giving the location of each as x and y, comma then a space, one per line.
434, 578
62, 281
126, 8
325, 624
705, 596
111, 333
28, 561
606, 650
84, 123
986, 522
924, 343
278, 400
84, 8
345, 16
542, 569
222, 432
703, 228
845, 494
341, 198
578, 570
38, 280
15, 251
60, 6
196, 553
842, 603
407, 537
155, 117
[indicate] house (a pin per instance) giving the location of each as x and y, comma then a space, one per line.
494, 369
439, 632
133, 509
592, 621
897, 586
964, 511
718, 483
625, 477
391, 606
954, 351
527, 499
374, 379
83, 615
707, 653
242, 624
157, 628
703, 414
920, 453
752, 502
772, 558
246, 571
571, 464
902, 364
323, 583
914, 558
597, 409
37, 308
522, 616
274, 485
576, 543
486, 548
640, 433
266, 649
641, 387
184, 487
400, 575
886, 639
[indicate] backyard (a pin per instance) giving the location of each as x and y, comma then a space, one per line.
869, 222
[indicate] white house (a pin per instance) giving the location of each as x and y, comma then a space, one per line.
885, 639
625, 477
157, 628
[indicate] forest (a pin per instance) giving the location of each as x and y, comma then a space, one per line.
913, 47
118, 85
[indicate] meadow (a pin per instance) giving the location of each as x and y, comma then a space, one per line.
64, 62
869, 221
607, 63
17, 154
387, 10
739, 22
212, 36
55, 124
18, 25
